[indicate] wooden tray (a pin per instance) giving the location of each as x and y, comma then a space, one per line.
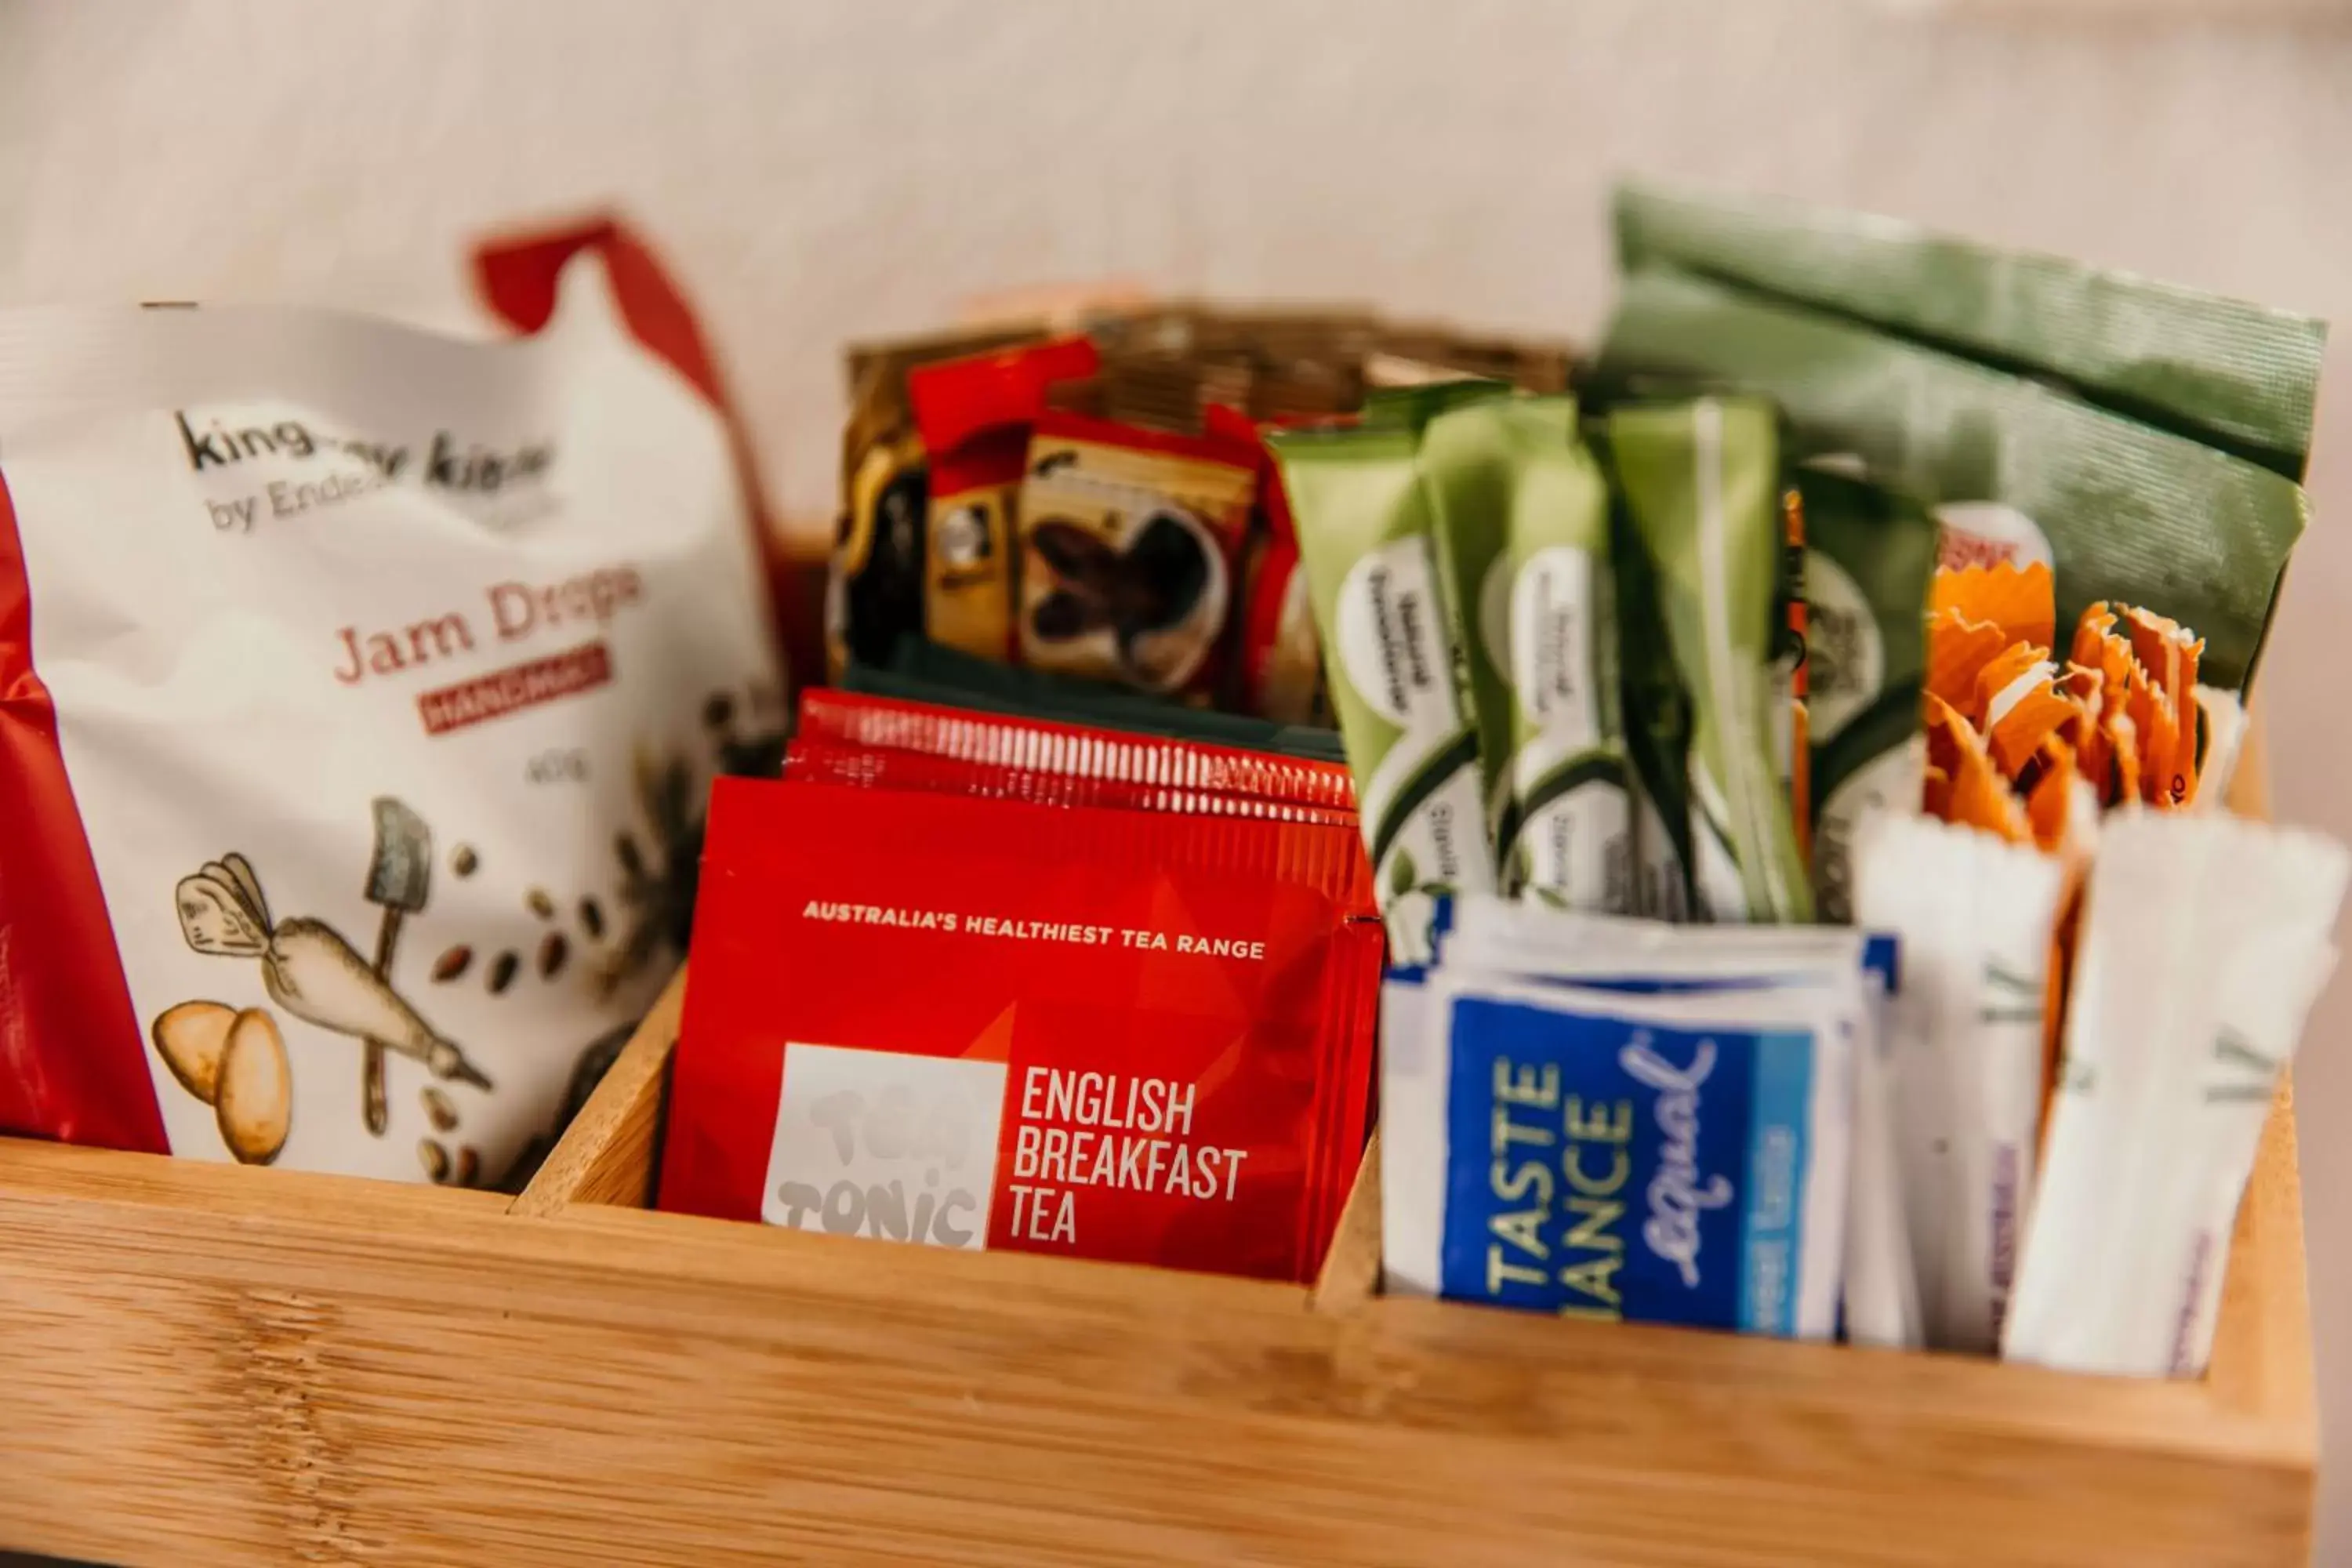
205, 1364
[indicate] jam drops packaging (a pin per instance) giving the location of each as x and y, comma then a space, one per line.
362, 688
1138, 1035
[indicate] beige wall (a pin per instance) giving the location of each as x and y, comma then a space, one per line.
818, 171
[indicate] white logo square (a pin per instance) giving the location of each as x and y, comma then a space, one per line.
886, 1145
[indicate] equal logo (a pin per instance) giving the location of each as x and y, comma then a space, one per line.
881, 1143
1600, 1167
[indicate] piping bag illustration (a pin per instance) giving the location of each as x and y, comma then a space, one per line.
309, 970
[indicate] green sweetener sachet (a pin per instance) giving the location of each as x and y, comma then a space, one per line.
1701, 485
1365, 539
1521, 513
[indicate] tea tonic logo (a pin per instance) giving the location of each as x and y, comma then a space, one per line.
885, 1144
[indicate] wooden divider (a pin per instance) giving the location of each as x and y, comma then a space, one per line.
610, 1152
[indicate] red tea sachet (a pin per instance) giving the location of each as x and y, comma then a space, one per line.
1045, 745
820, 760
1129, 1035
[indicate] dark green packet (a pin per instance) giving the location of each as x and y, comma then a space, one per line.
1870, 557
923, 671
2145, 441
1656, 717
2238, 377
1701, 480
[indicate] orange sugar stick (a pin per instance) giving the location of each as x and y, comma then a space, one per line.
2017, 599
1957, 649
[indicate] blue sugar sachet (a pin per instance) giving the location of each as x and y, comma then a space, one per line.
1673, 1157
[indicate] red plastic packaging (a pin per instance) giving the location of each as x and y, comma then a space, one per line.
1278, 659
1043, 745
1125, 1036
974, 417
70, 1063
821, 760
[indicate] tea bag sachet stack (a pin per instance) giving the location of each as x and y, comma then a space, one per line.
1616, 1119
1142, 1030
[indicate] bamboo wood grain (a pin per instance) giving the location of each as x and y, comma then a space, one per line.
205, 1364
273, 1367
1351, 1270
608, 1154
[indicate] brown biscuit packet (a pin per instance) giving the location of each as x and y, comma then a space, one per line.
1130, 540
874, 591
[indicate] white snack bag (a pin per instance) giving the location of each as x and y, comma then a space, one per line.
2204, 944
388, 674
1974, 918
